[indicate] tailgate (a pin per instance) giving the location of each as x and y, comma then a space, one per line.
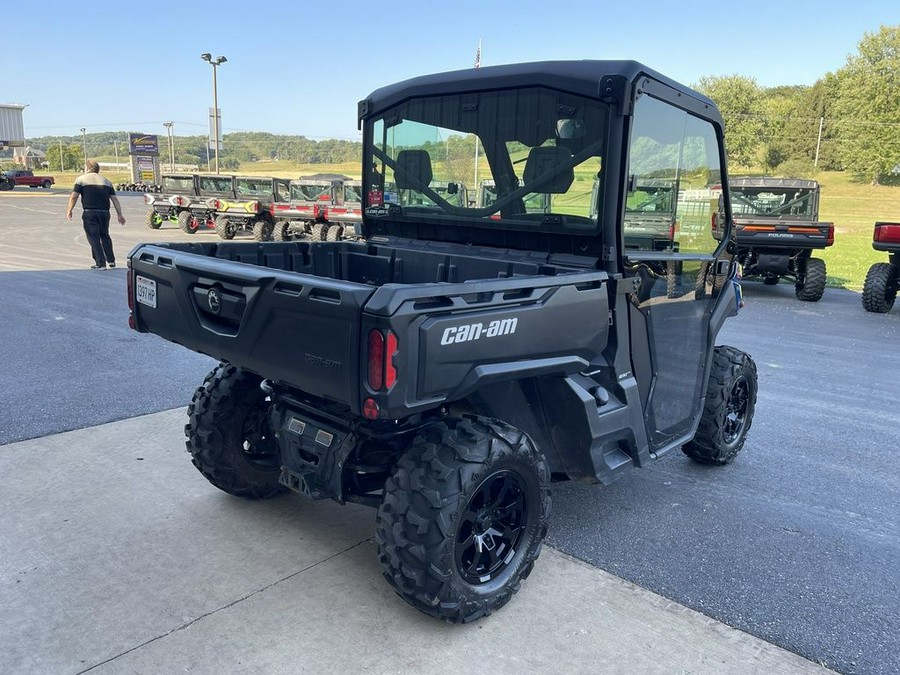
750, 232
295, 328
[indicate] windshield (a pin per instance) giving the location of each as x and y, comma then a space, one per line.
534, 154
215, 184
652, 197
769, 201
254, 187
178, 183
304, 192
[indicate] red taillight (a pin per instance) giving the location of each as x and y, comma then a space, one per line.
829, 240
887, 233
376, 359
370, 409
390, 371
382, 373
217, 204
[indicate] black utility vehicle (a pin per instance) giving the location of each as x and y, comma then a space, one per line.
448, 367
883, 278
776, 227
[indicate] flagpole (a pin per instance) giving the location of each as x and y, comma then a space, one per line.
477, 65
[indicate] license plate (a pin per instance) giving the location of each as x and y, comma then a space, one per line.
146, 291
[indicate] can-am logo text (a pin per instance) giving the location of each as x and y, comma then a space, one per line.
476, 331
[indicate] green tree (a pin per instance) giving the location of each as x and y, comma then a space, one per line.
739, 99
72, 157
781, 109
815, 108
867, 109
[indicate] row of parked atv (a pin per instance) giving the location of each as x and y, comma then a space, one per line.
776, 220
322, 208
138, 187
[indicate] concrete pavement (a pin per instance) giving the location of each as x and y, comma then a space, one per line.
119, 557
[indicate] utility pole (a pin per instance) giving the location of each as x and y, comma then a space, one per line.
84, 147
819, 141
116, 146
168, 126
215, 63
61, 167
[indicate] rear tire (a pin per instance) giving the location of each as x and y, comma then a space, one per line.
728, 408
185, 222
228, 434
224, 228
463, 518
282, 231
152, 220
47, 184
334, 233
262, 230
880, 288
813, 281
318, 232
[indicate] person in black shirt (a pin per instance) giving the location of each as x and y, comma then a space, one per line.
96, 194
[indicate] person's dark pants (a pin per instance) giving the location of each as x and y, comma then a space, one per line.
96, 227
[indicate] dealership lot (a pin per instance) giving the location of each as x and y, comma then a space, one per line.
795, 543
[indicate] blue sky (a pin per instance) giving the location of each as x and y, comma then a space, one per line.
300, 67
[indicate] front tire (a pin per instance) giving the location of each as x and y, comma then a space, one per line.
334, 233
228, 434
463, 518
880, 287
812, 286
728, 408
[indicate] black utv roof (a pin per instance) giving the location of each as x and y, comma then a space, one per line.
585, 78
769, 182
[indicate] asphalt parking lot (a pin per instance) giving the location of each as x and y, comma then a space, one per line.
796, 543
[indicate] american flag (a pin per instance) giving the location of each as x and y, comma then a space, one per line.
478, 55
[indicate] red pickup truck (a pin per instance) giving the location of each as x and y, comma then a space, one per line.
24, 177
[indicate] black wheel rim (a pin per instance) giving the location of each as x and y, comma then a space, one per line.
736, 410
493, 525
258, 445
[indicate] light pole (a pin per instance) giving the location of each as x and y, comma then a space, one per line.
215, 62
168, 126
84, 148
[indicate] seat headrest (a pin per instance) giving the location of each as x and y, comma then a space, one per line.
543, 172
413, 169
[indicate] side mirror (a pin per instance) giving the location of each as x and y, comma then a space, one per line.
452, 188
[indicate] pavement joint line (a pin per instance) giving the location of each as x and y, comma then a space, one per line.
227, 606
